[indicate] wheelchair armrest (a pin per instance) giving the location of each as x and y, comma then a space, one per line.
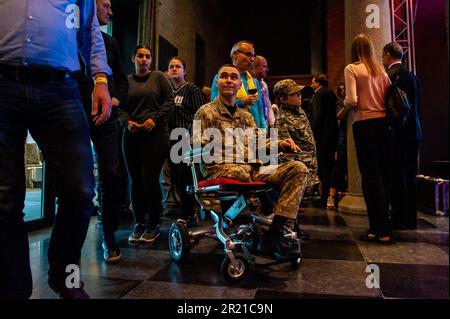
194, 154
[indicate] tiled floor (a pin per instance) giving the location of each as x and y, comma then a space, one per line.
416, 265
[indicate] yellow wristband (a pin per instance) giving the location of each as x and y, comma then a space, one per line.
101, 79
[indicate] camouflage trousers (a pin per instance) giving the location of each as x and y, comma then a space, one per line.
291, 177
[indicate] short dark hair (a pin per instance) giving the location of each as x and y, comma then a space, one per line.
183, 62
307, 92
322, 79
141, 46
228, 65
279, 96
394, 49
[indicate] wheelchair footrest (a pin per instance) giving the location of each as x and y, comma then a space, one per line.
262, 261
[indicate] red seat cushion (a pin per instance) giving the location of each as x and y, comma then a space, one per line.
228, 181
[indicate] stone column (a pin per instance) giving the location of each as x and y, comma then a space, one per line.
372, 17
353, 202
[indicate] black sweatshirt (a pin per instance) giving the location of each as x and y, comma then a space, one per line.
148, 97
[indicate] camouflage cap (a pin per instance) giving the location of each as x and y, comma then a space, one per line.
286, 87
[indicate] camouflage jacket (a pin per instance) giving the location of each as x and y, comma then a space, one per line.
293, 123
243, 151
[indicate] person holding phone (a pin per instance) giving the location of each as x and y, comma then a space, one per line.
291, 177
249, 95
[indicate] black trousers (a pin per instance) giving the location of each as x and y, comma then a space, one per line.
404, 171
373, 143
107, 149
339, 174
145, 154
124, 182
325, 164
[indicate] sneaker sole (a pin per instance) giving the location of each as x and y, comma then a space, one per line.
374, 239
143, 240
134, 240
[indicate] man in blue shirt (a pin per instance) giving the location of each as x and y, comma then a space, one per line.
249, 96
39, 44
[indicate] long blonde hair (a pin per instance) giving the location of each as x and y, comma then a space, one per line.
363, 51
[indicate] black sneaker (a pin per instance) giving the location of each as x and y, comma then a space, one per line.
280, 247
111, 251
150, 235
68, 293
135, 236
111, 254
293, 226
286, 248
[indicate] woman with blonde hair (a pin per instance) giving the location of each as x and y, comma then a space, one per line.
366, 84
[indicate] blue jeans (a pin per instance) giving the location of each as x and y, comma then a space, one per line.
54, 116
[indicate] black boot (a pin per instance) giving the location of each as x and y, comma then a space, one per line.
111, 251
275, 244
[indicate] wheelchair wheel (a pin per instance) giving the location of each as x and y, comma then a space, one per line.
234, 274
179, 242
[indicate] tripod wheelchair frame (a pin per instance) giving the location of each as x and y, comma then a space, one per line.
238, 229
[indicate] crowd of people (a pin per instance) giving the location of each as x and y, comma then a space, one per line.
129, 118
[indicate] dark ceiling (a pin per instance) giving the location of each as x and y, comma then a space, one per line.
280, 30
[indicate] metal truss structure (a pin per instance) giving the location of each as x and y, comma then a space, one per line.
403, 13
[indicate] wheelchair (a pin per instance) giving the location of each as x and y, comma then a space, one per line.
239, 228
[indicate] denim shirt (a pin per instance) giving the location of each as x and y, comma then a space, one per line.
49, 33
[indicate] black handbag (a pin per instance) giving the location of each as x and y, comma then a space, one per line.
396, 103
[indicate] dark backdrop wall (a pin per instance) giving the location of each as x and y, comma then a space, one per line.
125, 29
431, 41
281, 32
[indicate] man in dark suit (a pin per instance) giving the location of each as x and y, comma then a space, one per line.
324, 125
406, 144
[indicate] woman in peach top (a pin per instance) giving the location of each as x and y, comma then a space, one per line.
366, 83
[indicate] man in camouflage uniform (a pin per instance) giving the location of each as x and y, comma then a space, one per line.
293, 123
291, 177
